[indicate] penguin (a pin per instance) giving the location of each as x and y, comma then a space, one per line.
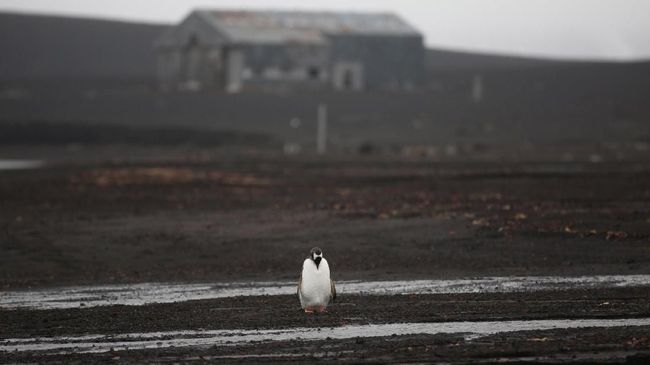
315, 288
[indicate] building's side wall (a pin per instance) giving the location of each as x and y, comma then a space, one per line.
388, 62
286, 66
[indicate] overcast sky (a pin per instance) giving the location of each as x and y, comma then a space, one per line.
604, 29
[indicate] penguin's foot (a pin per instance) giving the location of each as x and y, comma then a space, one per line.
317, 309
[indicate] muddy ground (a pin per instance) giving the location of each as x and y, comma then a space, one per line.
584, 346
232, 218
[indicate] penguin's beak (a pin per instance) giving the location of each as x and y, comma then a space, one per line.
317, 260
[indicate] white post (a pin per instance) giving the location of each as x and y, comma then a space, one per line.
477, 89
321, 130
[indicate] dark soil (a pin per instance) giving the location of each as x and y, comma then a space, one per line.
243, 219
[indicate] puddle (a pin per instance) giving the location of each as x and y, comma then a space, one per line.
20, 164
153, 340
141, 294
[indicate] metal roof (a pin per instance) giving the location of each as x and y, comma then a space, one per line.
303, 27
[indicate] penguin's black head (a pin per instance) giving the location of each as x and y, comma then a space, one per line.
316, 255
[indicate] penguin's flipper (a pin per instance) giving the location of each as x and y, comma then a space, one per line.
332, 290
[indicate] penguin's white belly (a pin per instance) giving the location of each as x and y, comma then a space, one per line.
315, 290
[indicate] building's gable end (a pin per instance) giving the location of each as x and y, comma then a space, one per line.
195, 28
218, 33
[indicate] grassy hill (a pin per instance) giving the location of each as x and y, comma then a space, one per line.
50, 47
438, 60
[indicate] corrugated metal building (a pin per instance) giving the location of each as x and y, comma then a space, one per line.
238, 50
